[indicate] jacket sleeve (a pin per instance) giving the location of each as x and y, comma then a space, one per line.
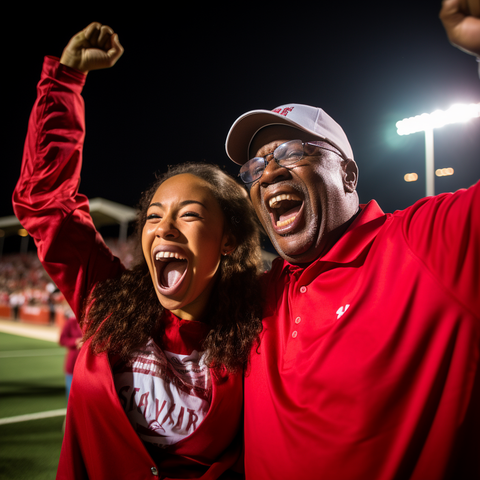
46, 199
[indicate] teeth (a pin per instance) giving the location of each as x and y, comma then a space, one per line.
161, 255
273, 202
285, 222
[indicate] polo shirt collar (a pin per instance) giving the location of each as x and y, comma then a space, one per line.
356, 239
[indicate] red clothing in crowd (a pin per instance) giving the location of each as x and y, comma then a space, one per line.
69, 336
369, 363
100, 442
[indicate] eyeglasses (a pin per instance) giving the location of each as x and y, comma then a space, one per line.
285, 155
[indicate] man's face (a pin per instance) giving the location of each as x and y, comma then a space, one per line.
304, 207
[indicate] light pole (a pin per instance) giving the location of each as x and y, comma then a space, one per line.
426, 123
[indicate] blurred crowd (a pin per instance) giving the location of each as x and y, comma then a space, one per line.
24, 282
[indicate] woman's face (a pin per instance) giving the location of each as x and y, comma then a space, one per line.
182, 240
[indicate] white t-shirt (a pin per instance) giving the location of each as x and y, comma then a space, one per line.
165, 395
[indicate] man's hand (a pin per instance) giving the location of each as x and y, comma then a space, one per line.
94, 48
461, 19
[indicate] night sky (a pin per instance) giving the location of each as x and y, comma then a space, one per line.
188, 73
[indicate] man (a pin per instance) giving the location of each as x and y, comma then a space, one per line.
369, 364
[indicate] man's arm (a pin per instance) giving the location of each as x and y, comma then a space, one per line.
461, 19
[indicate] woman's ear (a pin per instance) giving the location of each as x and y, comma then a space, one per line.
229, 244
350, 178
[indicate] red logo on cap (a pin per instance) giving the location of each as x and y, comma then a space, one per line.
283, 111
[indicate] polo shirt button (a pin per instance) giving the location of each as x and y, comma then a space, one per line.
298, 320
154, 471
303, 289
294, 334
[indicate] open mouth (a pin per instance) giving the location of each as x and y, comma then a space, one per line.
285, 210
170, 268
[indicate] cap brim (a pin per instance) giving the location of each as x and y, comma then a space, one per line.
246, 127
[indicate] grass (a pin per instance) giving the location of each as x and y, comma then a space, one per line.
30, 450
31, 381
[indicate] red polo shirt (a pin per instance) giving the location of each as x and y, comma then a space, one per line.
369, 362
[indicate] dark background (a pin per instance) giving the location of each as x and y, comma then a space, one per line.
189, 71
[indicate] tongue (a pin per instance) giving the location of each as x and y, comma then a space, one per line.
172, 273
289, 214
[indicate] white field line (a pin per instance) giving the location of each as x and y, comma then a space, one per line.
33, 416
45, 352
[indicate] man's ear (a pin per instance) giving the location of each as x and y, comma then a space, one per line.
350, 178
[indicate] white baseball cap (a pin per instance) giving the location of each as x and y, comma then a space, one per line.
309, 119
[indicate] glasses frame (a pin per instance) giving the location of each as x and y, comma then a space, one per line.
266, 162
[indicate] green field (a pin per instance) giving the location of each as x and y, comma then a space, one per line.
31, 382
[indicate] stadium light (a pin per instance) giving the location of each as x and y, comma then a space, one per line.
426, 122
411, 177
24, 242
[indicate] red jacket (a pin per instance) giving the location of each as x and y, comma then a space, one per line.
369, 364
100, 442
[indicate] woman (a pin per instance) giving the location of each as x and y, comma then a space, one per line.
157, 390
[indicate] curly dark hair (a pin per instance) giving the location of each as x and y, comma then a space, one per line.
123, 313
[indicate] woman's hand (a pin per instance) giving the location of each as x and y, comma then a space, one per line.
95, 47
